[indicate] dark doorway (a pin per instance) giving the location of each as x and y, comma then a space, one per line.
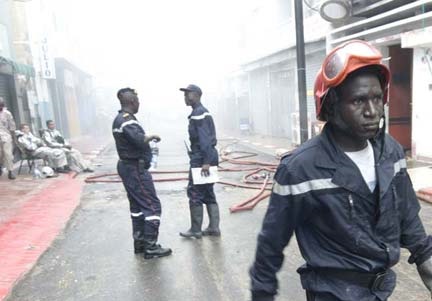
6, 92
400, 109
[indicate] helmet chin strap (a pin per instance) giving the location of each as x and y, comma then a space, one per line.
380, 135
382, 121
381, 127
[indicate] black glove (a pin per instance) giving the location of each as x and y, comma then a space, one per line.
262, 297
425, 272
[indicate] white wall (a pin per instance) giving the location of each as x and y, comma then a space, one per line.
4, 42
422, 104
266, 29
270, 27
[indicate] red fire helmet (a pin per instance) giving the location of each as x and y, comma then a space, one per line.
343, 60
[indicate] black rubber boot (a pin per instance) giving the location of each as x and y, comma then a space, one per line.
196, 214
213, 227
154, 250
139, 244
11, 176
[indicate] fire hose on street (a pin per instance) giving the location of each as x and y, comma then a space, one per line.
258, 177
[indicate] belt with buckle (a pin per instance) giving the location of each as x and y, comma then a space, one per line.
130, 161
373, 281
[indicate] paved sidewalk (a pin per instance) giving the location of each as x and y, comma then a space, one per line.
34, 211
269, 145
25, 235
13, 194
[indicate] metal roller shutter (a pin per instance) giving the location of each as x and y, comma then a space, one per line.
4, 90
313, 63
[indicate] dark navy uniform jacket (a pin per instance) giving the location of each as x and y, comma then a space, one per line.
129, 138
202, 136
320, 194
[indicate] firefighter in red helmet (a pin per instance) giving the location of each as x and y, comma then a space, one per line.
345, 193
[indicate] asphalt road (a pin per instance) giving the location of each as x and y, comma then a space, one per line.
93, 258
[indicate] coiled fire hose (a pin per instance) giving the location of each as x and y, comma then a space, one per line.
258, 177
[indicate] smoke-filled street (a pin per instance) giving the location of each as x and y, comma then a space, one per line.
248, 150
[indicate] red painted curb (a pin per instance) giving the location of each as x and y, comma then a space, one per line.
425, 194
25, 236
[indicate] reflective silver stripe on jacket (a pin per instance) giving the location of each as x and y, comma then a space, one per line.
202, 116
399, 165
120, 130
303, 187
133, 214
152, 218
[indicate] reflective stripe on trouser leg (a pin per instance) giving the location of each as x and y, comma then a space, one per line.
142, 196
152, 224
200, 194
138, 222
138, 227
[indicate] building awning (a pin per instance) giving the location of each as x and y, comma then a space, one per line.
18, 68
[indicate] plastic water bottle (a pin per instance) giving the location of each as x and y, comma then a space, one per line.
155, 154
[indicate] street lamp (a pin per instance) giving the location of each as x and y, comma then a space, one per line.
335, 10
301, 70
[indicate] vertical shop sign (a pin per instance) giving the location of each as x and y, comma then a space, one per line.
47, 61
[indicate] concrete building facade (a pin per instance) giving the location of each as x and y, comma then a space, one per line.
401, 29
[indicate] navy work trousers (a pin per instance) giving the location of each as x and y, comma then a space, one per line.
200, 194
145, 206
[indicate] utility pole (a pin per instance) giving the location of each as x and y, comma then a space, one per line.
301, 70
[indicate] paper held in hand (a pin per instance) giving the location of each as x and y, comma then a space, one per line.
199, 179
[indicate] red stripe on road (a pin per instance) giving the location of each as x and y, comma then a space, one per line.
25, 236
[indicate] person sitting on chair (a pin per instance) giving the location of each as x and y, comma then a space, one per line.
36, 147
54, 139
